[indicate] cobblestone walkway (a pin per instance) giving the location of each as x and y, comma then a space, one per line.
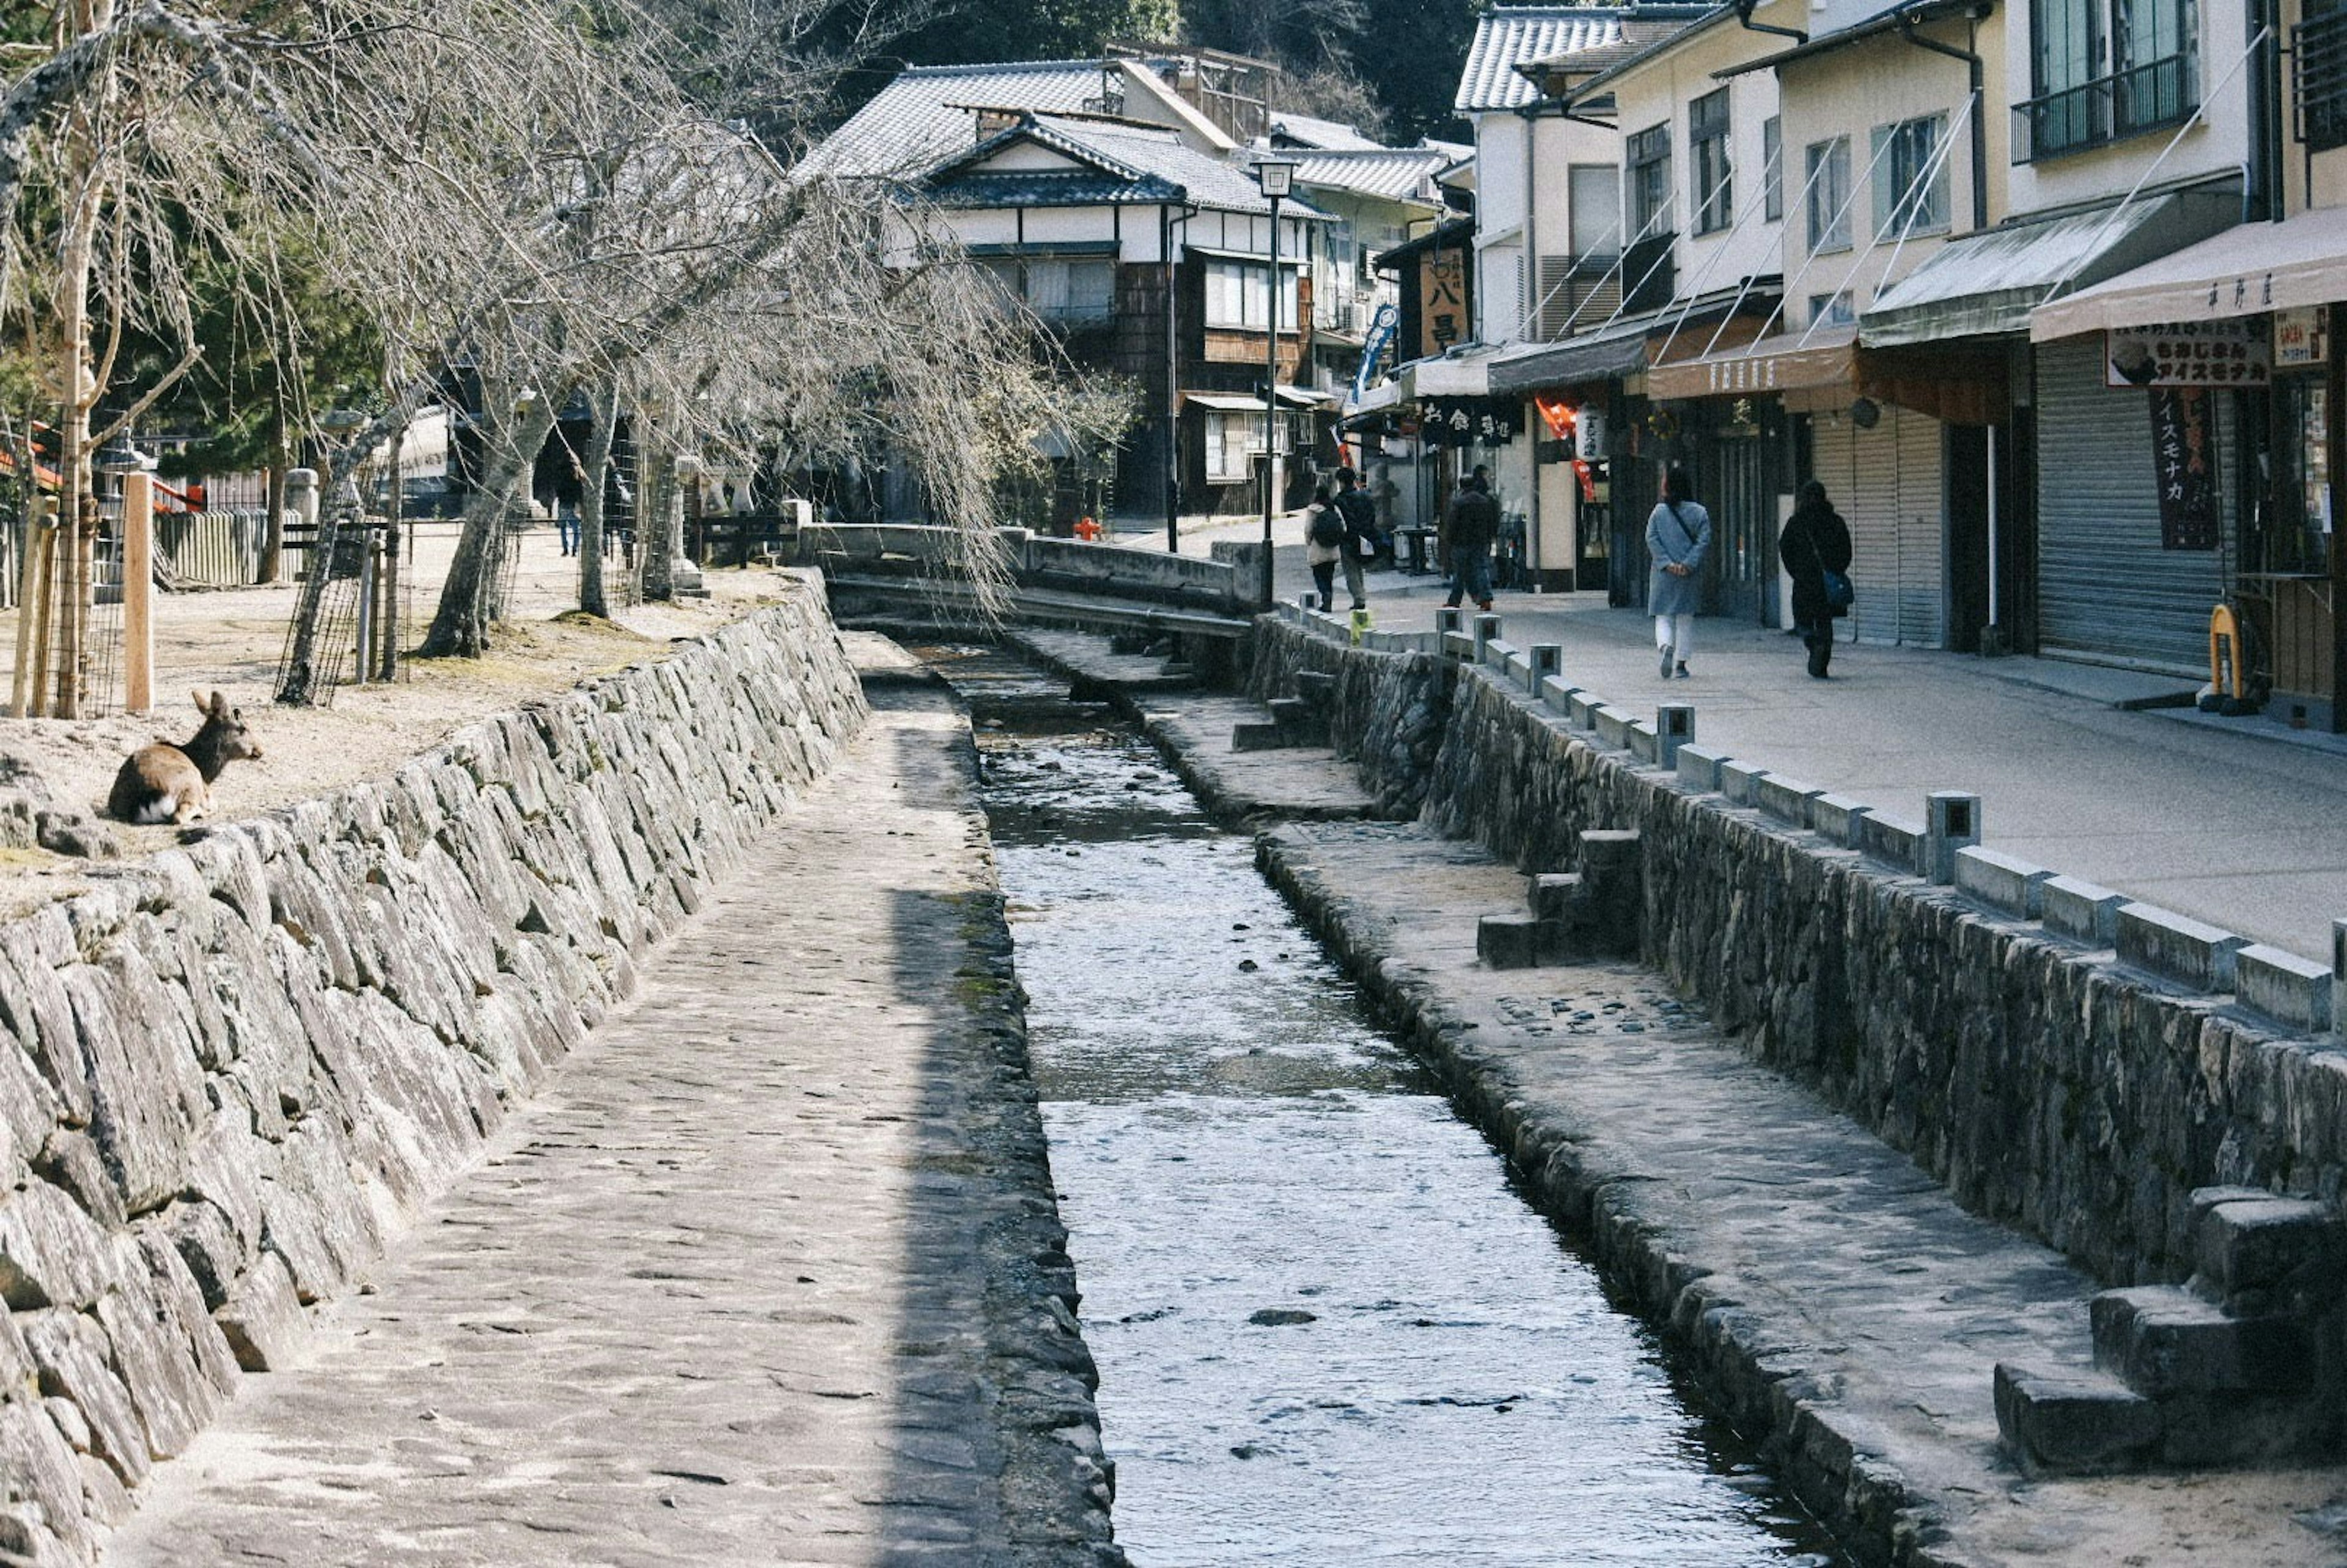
733, 1291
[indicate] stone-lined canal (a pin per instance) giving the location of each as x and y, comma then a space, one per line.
1328, 1330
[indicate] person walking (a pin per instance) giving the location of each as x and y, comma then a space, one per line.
1816, 541
1678, 537
1471, 522
1361, 539
1324, 542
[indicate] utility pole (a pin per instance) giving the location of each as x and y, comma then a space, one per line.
1277, 178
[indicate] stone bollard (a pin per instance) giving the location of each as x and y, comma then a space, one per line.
1487, 628
2338, 978
1449, 618
1952, 821
1674, 728
1548, 658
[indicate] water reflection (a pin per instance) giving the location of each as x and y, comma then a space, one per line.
1328, 1331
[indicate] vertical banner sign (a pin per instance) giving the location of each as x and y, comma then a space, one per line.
1381, 333
1442, 300
2184, 453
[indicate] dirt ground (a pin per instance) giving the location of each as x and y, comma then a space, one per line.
231, 641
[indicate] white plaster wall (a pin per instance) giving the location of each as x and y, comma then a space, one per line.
1661, 89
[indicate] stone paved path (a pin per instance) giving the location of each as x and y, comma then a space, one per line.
723, 1294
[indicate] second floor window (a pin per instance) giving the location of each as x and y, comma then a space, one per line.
1772, 168
1238, 296
2101, 69
1078, 290
1828, 181
1911, 183
1714, 201
1648, 153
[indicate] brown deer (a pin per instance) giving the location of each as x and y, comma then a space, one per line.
164, 783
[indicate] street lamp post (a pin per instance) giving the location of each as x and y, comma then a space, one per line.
1277, 178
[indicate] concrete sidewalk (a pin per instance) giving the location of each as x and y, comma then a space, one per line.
2238, 822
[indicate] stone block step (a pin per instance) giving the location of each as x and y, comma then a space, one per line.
1259, 735
2256, 1251
1315, 687
1553, 894
1511, 941
2073, 1422
2163, 1340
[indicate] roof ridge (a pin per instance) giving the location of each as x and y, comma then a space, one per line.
1000, 67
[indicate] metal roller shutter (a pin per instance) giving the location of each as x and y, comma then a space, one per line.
2107, 589
1886, 482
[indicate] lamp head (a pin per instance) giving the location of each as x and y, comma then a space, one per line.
1277, 176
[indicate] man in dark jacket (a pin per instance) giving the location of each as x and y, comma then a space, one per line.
1815, 542
1361, 541
1470, 523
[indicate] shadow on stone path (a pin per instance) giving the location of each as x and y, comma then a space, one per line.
763, 1278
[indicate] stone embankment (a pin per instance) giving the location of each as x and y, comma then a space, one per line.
232, 1071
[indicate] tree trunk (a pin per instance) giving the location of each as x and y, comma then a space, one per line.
656, 499
460, 626
603, 418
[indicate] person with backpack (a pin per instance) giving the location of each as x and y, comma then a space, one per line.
1678, 537
1815, 548
1324, 545
1361, 541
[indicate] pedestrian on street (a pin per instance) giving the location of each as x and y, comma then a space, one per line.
1471, 522
1816, 541
1361, 538
1324, 545
1678, 536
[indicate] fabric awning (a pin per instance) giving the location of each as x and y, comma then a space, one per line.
2300, 261
1600, 355
1958, 385
1826, 357
1990, 283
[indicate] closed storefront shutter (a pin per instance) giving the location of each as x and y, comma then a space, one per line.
1886, 483
2107, 589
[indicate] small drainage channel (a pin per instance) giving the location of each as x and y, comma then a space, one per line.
1329, 1331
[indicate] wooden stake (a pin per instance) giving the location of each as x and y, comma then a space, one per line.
137, 592
45, 590
24, 694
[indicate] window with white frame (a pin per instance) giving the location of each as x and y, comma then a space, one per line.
1648, 154
1233, 441
1828, 182
1238, 296
1713, 196
1772, 168
1910, 182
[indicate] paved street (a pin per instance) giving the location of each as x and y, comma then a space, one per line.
2235, 821
731, 1291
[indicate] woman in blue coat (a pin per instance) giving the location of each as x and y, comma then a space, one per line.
1678, 536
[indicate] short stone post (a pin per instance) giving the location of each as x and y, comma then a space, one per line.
2339, 977
1952, 821
1487, 628
1449, 618
1548, 658
1674, 728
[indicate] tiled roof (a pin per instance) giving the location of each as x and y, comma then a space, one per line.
1205, 181
1119, 163
930, 112
1396, 174
1047, 188
1510, 37
1324, 135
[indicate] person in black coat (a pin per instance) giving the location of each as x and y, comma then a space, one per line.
1815, 541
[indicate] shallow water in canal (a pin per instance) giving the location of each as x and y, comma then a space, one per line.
1328, 1330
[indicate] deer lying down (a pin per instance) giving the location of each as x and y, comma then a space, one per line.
164, 783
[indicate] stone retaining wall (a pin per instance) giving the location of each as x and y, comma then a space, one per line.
230, 1069
2042, 1082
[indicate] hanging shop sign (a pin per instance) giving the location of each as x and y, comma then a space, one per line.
1471, 421
2229, 353
2297, 338
2184, 453
1441, 300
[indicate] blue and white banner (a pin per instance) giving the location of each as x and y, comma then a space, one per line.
1381, 335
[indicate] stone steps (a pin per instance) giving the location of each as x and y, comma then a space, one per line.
1572, 915
2238, 1366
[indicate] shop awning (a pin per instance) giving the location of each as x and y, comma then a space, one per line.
1240, 402
1452, 375
1827, 369
2300, 261
1383, 394
1789, 360
1600, 355
1990, 283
